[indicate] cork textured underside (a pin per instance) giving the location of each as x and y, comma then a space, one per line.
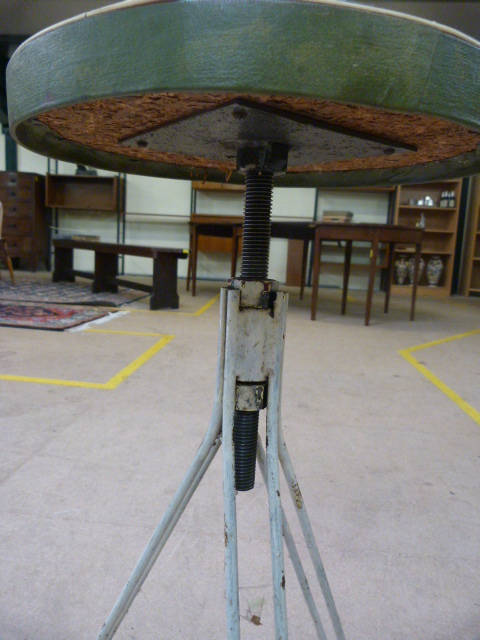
103, 124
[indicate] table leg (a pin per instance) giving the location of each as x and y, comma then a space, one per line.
106, 270
8, 260
190, 259
164, 291
415, 280
237, 234
317, 254
371, 279
346, 274
63, 265
391, 253
194, 261
304, 268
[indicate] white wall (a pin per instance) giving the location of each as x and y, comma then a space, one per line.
157, 212
31, 162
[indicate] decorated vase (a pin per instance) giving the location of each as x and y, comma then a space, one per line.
401, 270
434, 271
411, 268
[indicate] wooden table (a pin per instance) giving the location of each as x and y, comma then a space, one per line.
317, 232
376, 234
105, 276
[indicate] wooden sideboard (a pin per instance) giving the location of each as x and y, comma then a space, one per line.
25, 225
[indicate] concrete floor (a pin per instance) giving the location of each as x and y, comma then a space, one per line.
388, 463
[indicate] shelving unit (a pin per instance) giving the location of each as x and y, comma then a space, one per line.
471, 267
440, 231
87, 193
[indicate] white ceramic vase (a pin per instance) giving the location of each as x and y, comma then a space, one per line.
411, 268
434, 271
401, 270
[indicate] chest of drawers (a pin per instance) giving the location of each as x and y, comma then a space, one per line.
24, 218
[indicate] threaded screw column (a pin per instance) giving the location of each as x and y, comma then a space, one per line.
256, 224
245, 434
255, 257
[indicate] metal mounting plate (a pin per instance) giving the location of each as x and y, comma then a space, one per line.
217, 135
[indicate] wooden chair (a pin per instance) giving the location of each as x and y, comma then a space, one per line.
4, 248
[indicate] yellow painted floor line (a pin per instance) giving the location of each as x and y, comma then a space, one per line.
450, 393
199, 312
125, 333
117, 379
207, 306
137, 363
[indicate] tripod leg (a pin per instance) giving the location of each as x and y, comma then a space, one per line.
276, 533
230, 512
309, 537
231, 553
155, 546
293, 553
190, 482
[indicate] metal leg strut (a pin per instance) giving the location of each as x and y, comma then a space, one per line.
309, 536
293, 553
190, 482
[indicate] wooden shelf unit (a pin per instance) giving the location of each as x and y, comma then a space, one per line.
90, 193
85, 193
440, 234
471, 266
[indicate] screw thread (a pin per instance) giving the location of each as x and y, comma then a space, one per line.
256, 224
245, 434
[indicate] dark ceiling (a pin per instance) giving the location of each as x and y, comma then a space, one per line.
26, 17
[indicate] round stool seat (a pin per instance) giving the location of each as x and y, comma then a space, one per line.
379, 97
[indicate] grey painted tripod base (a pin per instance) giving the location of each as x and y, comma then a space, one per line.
242, 332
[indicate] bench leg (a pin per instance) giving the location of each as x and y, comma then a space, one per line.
106, 270
164, 290
63, 265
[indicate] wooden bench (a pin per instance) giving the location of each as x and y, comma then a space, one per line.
105, 276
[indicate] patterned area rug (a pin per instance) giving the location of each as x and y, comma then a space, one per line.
65, 293
46, 317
